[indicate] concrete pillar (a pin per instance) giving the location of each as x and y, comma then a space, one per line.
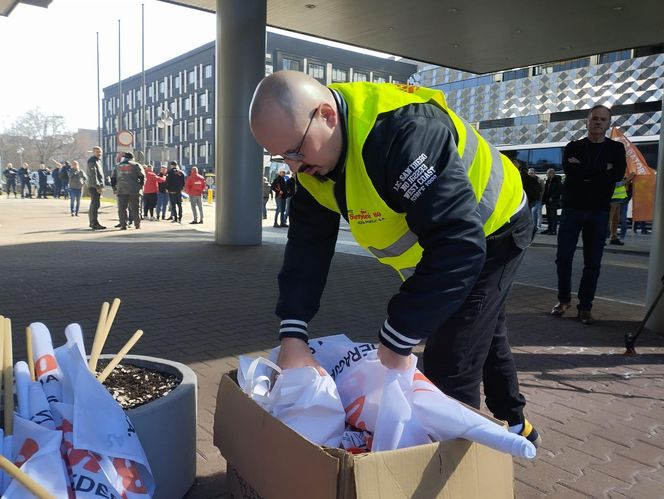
240, 66
656, 267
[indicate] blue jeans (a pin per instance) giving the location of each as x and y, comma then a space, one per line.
162, 203
593, 226
74, 200
536, 211
281, 209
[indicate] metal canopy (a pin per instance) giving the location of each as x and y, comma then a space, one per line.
479, 36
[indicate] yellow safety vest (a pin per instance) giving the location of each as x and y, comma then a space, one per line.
375, 226
620, 192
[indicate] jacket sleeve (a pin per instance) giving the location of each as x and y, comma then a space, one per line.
312, 237
440, 209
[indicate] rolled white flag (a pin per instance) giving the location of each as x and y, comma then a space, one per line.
46, 366
22, 380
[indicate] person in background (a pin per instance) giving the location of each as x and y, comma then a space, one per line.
267, 194
537, 207
453, 224
162, 194
553, 189
532, 188
194, 187
64, 178
150, 191
618, 212
57, 183
42, 176
592, 167
77, 179
280, 190
127, 180
174, 185
24, 179
10, 174
291, 187
95, 176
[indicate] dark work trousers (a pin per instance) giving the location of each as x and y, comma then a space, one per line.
176, 205
41, 192
25, 185
472, 346
552, 216
93, 212
593, 226
130, 202
149, 203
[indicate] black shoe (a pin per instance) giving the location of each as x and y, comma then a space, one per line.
617, 242
283, 225
98, 227
118, 226
275, 225
192, 223
200, 221
123, 227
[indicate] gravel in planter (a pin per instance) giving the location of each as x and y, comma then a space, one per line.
133, 386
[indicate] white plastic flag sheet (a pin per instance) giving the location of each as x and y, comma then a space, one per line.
101, 450
301, 398
403, 408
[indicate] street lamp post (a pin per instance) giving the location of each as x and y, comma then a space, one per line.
165, 120
19, 151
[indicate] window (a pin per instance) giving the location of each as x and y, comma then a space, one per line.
339, 74
543, 159
208, 70
290, 64
360, 76
162, 87
151, 92
191, 128
177, 81
202, 150
176, 132
316, 71
202, 100
185, 153
139, 95
379, 79
174, 108
208, 125
191, 77
187, 104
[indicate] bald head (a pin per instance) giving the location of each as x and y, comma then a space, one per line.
292, 111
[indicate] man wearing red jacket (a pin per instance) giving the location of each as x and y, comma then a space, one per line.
194, 186
150, 190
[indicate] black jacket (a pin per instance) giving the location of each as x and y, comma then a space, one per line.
444, 218
279, 187
591, 173
553, 189
175, 180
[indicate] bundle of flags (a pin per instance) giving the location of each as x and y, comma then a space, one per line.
67, 436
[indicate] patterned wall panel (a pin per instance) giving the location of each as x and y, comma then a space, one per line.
617, 83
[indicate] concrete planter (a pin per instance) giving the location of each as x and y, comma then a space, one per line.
167, 428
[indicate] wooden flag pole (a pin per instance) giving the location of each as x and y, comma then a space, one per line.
8, 368
101, 327
29, 483
120, 355
29, 353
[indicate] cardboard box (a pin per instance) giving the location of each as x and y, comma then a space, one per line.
266, 459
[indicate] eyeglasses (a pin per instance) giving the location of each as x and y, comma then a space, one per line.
296, 155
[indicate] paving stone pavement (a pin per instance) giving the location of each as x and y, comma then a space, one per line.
601, 414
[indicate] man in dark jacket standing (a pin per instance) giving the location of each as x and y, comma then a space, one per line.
553, 189
95, 176
174, 185
592, 167
127, 180
10, 174
280, 189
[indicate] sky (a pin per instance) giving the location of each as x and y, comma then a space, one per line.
49, 56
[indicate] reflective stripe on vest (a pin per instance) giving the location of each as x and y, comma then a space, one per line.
495, 181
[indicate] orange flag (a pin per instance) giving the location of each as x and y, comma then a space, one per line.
643, 181
636, 163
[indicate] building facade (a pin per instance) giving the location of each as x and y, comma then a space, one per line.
177, 119
535, 111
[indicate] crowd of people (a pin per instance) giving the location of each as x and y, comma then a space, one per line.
141, 193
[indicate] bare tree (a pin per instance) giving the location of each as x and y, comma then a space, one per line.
42, 136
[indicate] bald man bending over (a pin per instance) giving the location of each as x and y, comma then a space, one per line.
425, 194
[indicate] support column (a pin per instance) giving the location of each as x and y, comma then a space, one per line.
656, 267
240, 65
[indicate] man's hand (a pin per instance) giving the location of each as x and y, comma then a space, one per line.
295, 353
393, 360
100, 190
